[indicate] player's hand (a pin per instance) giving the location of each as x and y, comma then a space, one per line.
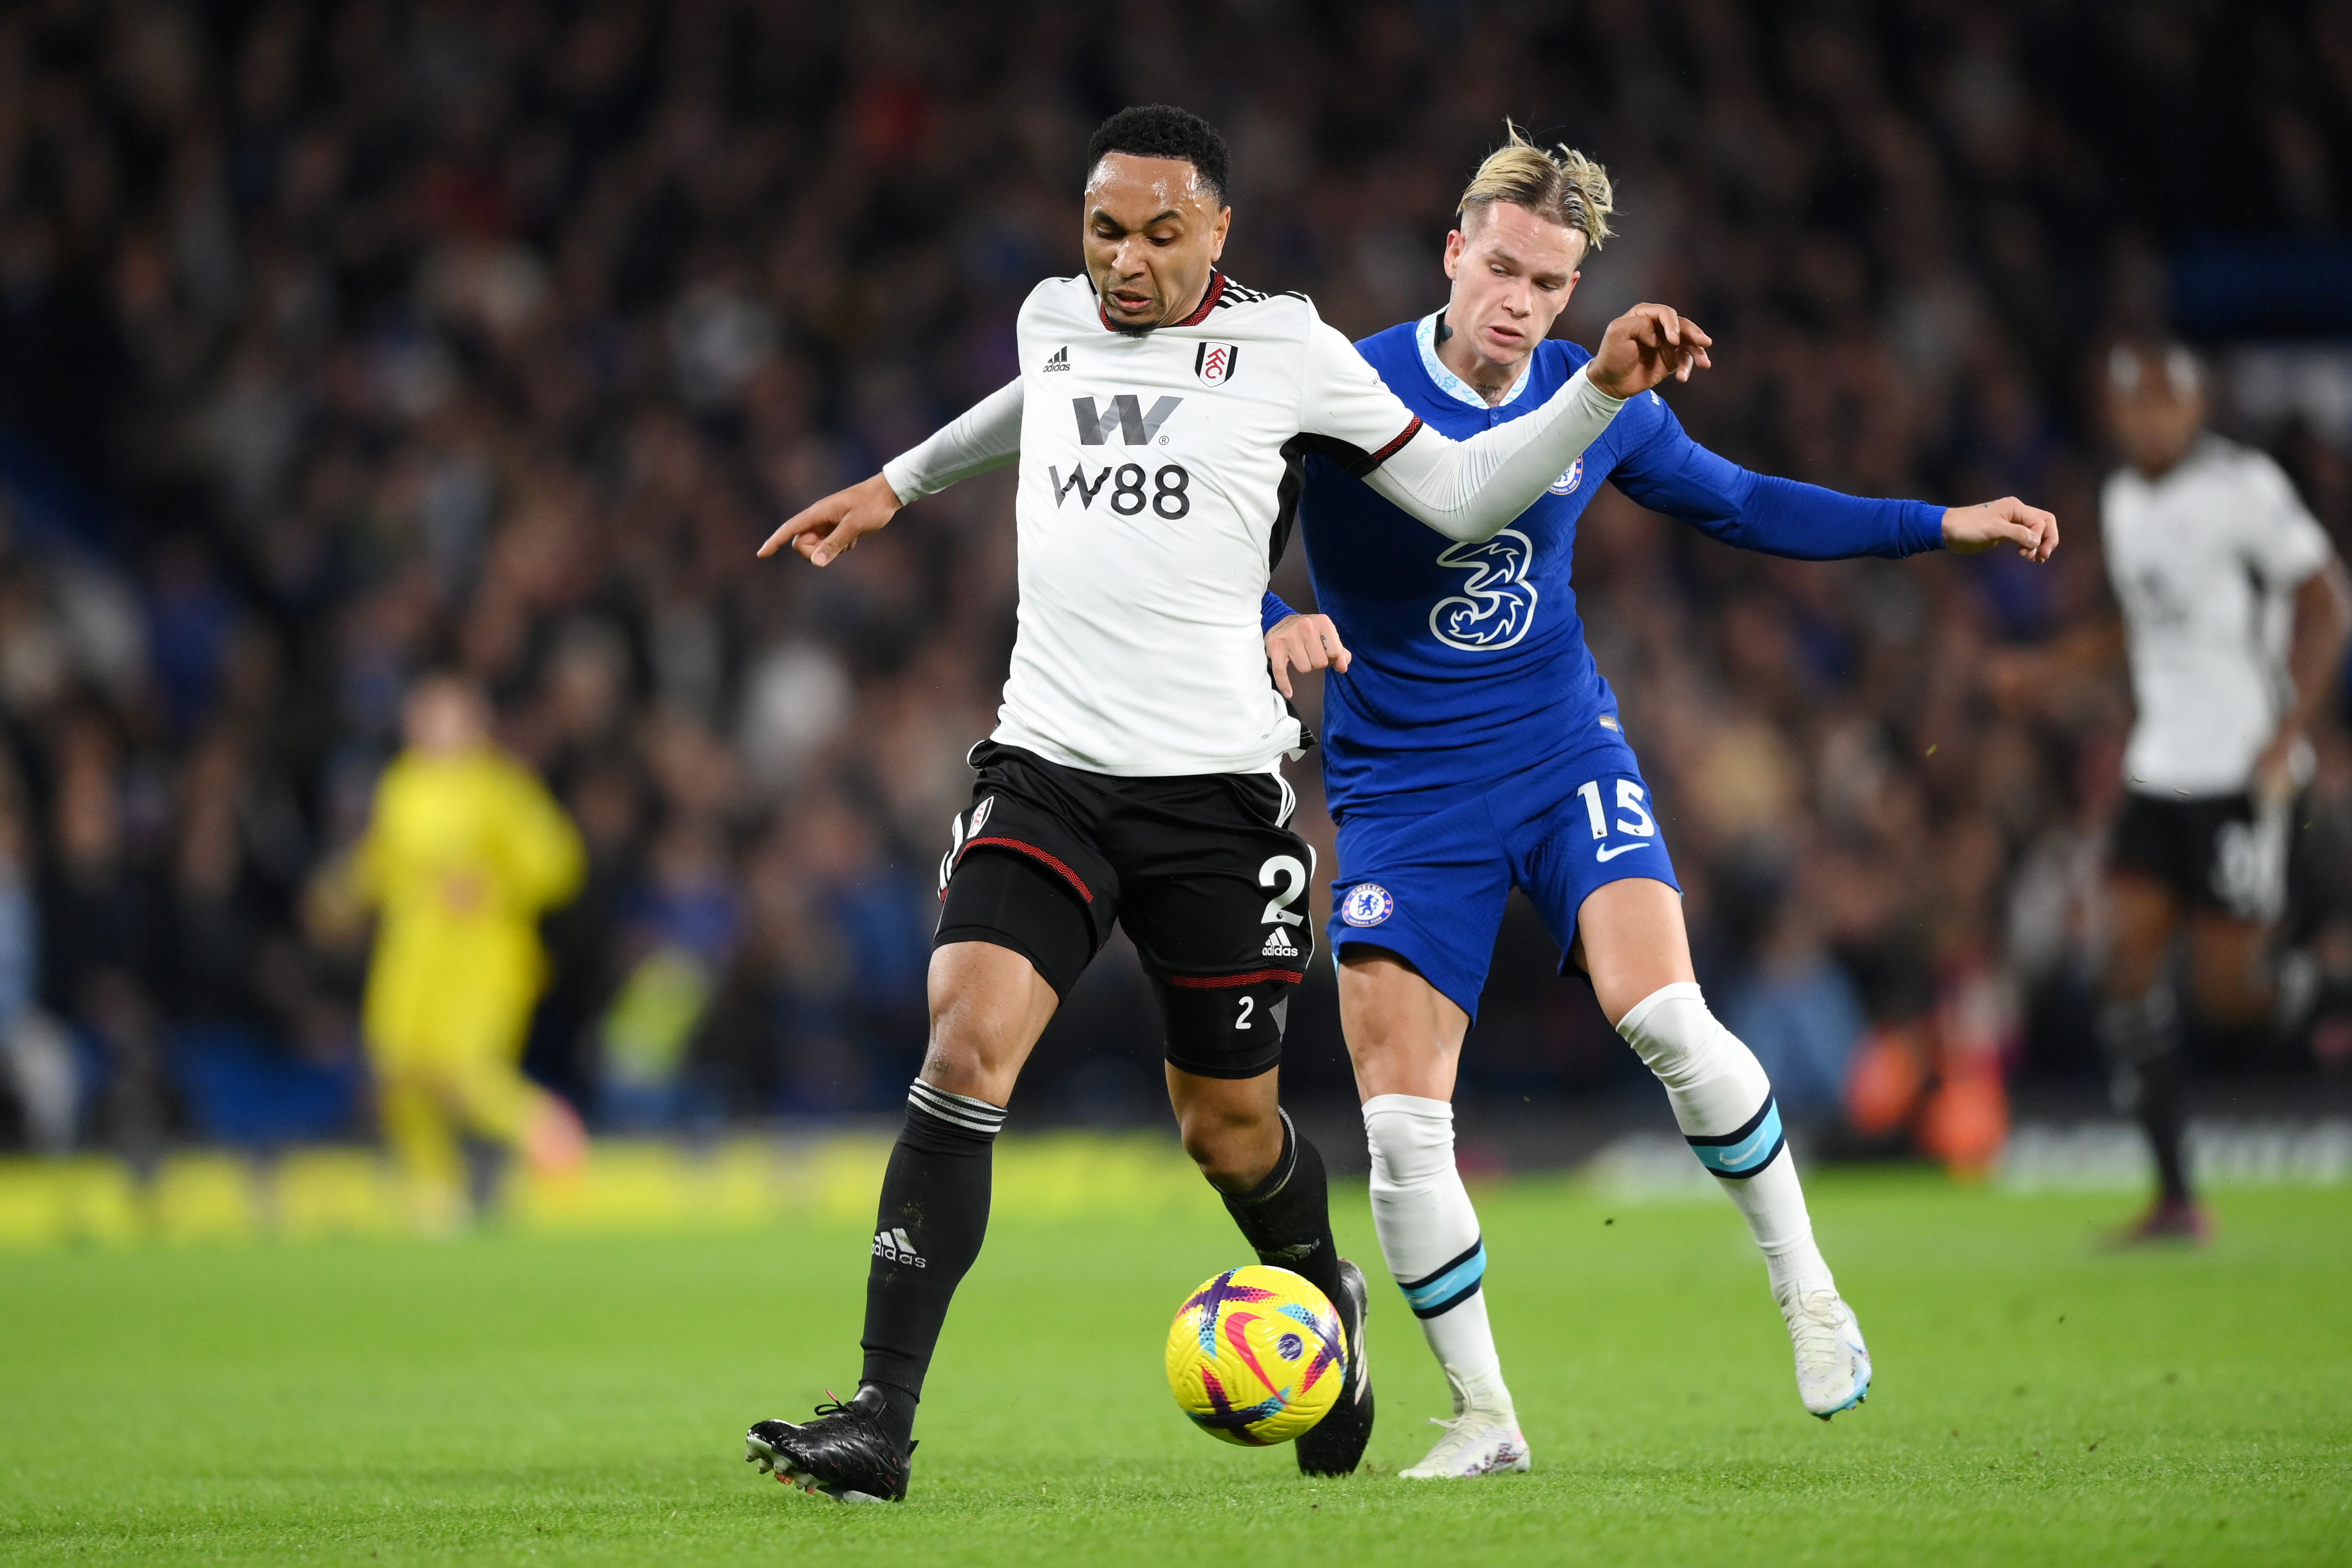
833, 525
1643, 347
2274, 768
1303, 642
2034, 532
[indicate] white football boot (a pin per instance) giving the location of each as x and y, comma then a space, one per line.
1477, 1442
1833, 1364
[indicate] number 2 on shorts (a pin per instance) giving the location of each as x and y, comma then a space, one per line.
1287, 869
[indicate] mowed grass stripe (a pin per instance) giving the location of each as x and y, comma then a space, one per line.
581, 1398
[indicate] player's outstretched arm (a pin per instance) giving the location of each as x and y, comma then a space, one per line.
984, 436
2316, 644
1661, 467
2034, 532
1471, 490
833, 525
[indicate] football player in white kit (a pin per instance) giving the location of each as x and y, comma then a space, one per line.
1163, 412
2235, 612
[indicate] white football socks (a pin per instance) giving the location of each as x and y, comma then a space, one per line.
1429, 1234
1723, 1103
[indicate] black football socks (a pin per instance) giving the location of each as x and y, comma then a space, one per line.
1287, 1217
2142, 1039
933, 1216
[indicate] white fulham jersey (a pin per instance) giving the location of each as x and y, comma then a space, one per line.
2205, 560
1152, 503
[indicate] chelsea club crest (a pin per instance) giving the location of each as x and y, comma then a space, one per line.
1367, 904
1567, 483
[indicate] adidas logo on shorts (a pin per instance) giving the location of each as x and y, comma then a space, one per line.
1278, 945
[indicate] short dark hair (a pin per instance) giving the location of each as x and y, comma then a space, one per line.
1163, 131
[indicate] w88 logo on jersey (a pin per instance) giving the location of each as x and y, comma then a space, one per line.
1169, 491
1169, 495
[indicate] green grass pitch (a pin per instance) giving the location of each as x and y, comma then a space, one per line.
581, 1398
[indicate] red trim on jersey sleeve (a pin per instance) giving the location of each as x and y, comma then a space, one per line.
1033, 852
1222, 982
1393, 448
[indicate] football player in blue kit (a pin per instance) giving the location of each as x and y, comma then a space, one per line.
1471, 746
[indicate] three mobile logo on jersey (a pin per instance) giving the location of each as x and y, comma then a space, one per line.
1497, 605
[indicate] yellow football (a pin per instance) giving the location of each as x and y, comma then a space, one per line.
1257, 1355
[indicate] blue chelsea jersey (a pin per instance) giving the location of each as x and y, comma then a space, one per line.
1470, 661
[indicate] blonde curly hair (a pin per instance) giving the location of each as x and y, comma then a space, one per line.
1559, 184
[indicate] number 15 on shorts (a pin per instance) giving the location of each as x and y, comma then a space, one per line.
1631, 817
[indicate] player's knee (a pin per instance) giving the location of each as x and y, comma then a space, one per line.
1410, 1140
1234, 1146
1680, 1039
981, 1035
1408, 1056
2145, 925
966, 1060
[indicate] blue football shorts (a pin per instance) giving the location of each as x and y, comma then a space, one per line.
1431, 888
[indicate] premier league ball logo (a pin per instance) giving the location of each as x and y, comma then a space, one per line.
1367, 904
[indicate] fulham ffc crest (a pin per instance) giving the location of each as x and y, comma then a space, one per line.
1214, 362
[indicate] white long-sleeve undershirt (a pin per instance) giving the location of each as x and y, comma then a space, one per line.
1471, 490
1467, 490
984, 436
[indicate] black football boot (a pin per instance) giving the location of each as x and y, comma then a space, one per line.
846, 1453
1335, 1445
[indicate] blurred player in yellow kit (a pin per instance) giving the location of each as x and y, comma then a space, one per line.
465, 851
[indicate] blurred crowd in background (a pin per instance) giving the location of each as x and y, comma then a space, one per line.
339, 341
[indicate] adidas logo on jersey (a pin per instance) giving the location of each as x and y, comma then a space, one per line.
1061, 359
1278, 945
894, 1246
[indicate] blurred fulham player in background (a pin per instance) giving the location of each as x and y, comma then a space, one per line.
2235, 614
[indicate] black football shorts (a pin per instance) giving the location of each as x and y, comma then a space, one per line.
2223, 853
1202, 871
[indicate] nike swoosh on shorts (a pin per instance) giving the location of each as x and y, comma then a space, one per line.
1607, 855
